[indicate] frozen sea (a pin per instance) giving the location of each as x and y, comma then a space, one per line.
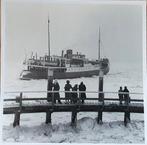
33, 129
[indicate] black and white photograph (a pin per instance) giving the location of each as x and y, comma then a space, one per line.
72, 71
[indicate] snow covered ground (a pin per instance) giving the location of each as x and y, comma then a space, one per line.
33, 129
87, 131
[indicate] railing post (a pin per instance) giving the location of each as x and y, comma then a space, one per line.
101, 97
53, 99
20, 105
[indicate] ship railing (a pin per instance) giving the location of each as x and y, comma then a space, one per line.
90, 68
92, 97
58, 67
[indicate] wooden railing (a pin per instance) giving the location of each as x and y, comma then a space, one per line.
97, 105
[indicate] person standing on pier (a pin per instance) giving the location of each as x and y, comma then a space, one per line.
126, 95
67, 87
56, 94
49, 88
74, 95
82, 96
120, 94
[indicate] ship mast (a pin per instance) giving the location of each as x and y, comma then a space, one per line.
48, 39
99, 45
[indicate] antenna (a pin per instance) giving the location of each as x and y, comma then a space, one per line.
48, 38
99, 45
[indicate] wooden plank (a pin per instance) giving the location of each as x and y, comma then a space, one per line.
69, 108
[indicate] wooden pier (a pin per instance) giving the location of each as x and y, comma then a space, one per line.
99, 104
91, 105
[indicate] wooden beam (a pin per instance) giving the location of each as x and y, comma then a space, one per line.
100, 114
16, 119
48, 117
74, 118
133, 108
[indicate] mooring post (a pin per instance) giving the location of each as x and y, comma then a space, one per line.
126, 117
101, 98
100, 117
48, 117
73, 118
49, 85
101, 95
16, 119
20, 102
127, 114
17, 113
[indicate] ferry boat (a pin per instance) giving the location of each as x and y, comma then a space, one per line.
66, 66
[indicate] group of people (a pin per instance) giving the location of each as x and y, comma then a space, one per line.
73, 97
53, 86
124, 95
71, 94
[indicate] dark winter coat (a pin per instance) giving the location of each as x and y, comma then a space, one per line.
56, 88
49, 88
82, 87
67, 88
74, 95
120, 94
126, 96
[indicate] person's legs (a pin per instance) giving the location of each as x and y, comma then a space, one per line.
49, 97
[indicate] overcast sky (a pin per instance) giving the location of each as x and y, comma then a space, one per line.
73, 26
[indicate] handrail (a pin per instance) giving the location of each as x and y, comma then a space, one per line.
106, 92
108, 99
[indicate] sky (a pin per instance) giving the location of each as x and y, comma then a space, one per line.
75, 26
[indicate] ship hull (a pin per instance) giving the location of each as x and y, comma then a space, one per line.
35, 74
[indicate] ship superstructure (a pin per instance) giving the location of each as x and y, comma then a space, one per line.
68, 65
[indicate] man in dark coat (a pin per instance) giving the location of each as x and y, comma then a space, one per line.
126, 96
120, 94
56, 94
49, 88
74, 95
82, 96
67, 87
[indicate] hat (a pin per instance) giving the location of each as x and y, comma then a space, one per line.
67, 81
